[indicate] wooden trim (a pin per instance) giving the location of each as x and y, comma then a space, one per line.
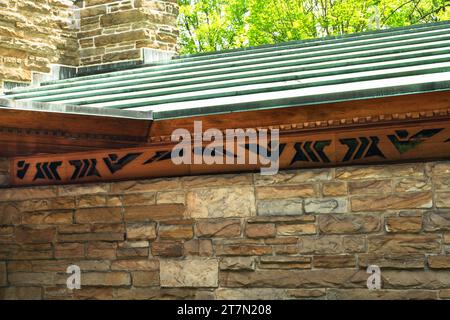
416, 141
24, 132
330, 115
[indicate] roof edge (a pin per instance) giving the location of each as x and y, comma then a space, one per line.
24, 105
326, 98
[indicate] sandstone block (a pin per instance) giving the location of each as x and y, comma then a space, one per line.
443, 199
132, 252
325, 278
198, 247
370, 186
9, 213
37, 234
334, 189
242, 250
345, 224
364, 294
441, 168
154, 212
296, 229
380, 172
52, 217
167, 248
101, 250
280, 207
80, 237
141, 231
180, 231
92, 201
412, 185
221, 202
47, 204
285, 262
113, 278
110, 39
408, 261
442, 183
21, 293
171, 197
133, 54
439, 262
415, 279
412, 200
334, 261
120, 17
145, 278
32, 278
69, 250
87, 189
136, 265
403, 224
251, 294
209, 181
354, 244
321, 245
189, 273
27, 193
139, 199
262, 230
237, 263
285, 192
220, 228
436, 221
144, 186
326, 205
404, 244
294, 177
98, 215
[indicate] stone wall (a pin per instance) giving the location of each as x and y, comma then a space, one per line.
34, 34
296, 235
118, 30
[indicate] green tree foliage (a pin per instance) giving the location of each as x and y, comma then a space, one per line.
210, 25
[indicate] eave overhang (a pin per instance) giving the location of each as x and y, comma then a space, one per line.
399, 129
29, 127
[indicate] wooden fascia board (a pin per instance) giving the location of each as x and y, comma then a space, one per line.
329, 115
44, 128
397, 142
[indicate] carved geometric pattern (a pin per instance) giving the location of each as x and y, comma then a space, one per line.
403, 144
84, 168
22, 169
48, 170
115, 164
306, 151
361, 148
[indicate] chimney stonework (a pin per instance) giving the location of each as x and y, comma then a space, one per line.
114, 31
34, 35
38, 37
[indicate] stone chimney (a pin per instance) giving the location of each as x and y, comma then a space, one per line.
54, 39
112, 31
